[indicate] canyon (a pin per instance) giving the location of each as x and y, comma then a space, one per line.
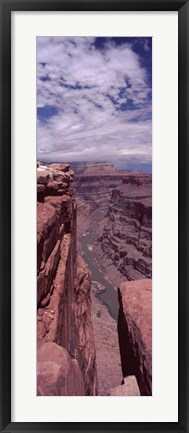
94, 288
119, 205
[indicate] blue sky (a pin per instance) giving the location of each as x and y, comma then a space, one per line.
94, 100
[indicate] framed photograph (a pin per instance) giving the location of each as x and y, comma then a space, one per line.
94, 216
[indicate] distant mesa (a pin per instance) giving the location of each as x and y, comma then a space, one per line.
93, 168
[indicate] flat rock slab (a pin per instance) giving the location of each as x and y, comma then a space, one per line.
129, 388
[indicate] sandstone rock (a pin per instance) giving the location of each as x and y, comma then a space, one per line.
41, 330
109, 373
57, 373
60, 167
129, 388
59, 176
47, 229
43, 175
129, 228
63, 283
70, 173
85, 351
40, 188
135, 332
118, 208
123, 209
53, 186
53, 180
94, 177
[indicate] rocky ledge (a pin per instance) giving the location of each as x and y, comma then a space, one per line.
63, 290
53, 179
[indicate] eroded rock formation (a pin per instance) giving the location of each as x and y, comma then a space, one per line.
135, 332
127, 235
94, 183
116, 207
63, 282
119, 206
57, 372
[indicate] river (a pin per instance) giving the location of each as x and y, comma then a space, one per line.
107, 293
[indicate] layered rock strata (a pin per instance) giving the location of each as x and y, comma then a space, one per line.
94, 183
126, 238
135, 332
118, 207
63, 282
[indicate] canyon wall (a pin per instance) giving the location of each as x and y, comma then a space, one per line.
126, 238
135, 338
117, 207
93, 184
64, 327
135, 332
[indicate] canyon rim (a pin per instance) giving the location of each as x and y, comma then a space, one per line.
94, 216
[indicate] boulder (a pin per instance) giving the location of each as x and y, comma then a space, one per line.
57, 373
129, 388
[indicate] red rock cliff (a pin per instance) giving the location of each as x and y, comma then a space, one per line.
135, 332
63, 291
127, 235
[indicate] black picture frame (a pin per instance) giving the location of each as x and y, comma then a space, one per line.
6, 7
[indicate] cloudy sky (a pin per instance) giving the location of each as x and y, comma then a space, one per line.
94, 100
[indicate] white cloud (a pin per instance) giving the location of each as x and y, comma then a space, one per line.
88, 86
